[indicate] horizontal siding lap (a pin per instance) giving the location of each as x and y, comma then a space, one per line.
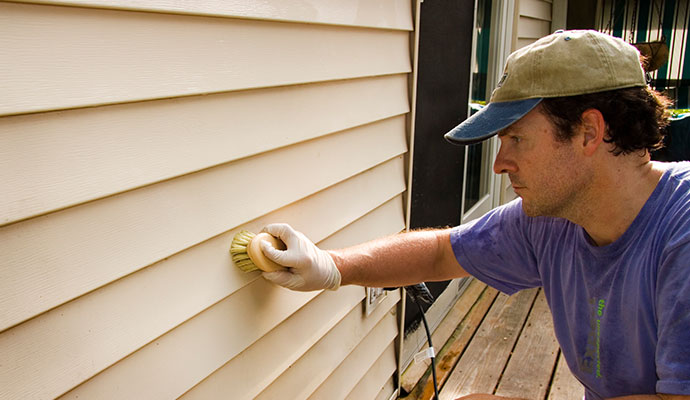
104, 57
391, 14
180, 359
520, 44
54, 160
176, 361
530, 28
376, 377
150, 302
266, 359
388, 219
537, 9
306, 374
354, 367
255, 367
387, 390
124, 233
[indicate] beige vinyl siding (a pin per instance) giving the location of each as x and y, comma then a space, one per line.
136, 138
306, 327
123, 233
344, 350
392, 14
533, 22
157, 298
122, 56
385, 391
345, 377
369, 386
133, 144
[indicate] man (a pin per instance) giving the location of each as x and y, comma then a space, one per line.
604, 230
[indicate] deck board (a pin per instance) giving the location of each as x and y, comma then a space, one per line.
565, 386
480, 368
504, 345
448, 326
531, 366
456, 345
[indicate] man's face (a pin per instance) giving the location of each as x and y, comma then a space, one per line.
547, 174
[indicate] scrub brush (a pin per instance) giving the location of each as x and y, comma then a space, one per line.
247, 255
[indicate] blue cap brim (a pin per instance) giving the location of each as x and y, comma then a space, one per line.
489, 120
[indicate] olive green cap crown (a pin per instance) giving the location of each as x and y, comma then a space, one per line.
565, 63
569, 63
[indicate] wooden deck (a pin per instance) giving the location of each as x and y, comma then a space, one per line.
493, 343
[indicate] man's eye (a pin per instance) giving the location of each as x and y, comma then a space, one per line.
516, 139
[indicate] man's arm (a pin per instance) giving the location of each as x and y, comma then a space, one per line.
393, 261
399, 260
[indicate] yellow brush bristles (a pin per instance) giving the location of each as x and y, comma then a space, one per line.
238, 251
247, 255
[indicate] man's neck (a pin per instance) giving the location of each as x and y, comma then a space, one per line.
617, 197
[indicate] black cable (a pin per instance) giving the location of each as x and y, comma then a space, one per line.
433, 362
419, 294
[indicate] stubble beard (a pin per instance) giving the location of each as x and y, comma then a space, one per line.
564, 202
534, 206
542, 209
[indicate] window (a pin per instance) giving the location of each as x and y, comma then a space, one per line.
478, 156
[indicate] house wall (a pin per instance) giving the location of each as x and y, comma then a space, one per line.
533, 21
137, 137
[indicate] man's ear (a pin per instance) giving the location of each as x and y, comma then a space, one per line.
593, 130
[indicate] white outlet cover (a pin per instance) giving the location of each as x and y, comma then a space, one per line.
373, 298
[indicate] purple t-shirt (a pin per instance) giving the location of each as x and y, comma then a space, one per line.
621, 312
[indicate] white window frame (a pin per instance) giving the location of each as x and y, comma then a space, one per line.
502, 20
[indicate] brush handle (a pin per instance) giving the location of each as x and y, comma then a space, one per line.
257, 256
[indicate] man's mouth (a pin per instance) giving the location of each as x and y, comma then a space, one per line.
515, 183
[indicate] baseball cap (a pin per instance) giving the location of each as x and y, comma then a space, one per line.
565, 63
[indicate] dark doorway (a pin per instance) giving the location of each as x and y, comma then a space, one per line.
445, 49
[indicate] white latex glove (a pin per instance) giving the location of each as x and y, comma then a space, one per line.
308, 267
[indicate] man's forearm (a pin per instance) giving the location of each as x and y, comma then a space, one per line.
399, 260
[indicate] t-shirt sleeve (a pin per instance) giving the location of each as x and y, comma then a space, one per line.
673, 315
496, 249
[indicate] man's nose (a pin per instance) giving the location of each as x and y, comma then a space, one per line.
503, 163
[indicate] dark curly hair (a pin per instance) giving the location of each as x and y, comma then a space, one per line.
635, 117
